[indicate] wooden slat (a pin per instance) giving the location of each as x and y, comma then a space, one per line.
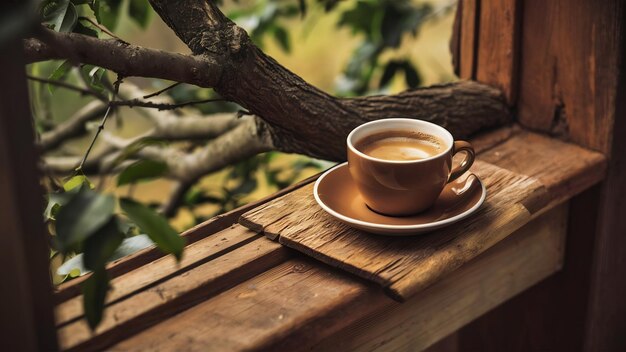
161, 269
307, 300
405, 265
468, 39
300, 304
218, 223
569, 70
563, 168
26, 319
301, 297
498, 38
527, 257
164, 299
551, 315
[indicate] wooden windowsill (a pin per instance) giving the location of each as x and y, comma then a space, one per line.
235, 289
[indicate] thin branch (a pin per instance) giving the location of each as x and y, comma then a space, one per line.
103, 28
82, 91
158, 92
72, 127
161, 106
176, 197
125, 59
101, 126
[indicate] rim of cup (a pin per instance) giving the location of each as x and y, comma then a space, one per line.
443, 134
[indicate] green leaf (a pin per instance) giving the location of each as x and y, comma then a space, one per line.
94, 295
76, 181
81, 217
141, 170
107, 12
412, 77
282, 38
100, 246
60, 14
55, 202
85, 30
129, 246
95, 77
390, 71
139, 10
155, 226
69, 20
59, 74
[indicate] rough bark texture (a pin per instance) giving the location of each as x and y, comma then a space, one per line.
304, 119
298, 117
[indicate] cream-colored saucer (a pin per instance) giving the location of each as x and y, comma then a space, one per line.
335, 192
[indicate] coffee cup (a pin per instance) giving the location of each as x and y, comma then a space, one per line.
401, 165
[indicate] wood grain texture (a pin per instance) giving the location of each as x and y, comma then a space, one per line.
300, 300
218, 223
302, 304
404, 266
568, 72
498, 49
162, 269
528, 256
550, 316
468, 38
26, 305
563, 168
163, 299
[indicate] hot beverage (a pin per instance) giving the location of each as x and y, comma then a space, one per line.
398, 145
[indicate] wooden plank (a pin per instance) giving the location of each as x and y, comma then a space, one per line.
498, 49
302, 304
162, 269
468, 38
405, 265
530, 255
568, 83
551, 315
563, 168
300, 297
164, 299
217, 223
26, 319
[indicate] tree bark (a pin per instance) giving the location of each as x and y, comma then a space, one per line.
298, 117
302, 118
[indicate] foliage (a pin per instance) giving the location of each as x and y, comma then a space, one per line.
84, 222
90, 227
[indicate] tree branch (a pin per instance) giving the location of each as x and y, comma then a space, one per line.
72, 127
300, 118
125, 59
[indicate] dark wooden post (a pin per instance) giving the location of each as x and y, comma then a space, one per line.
26, 318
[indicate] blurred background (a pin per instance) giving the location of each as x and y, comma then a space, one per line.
346, 48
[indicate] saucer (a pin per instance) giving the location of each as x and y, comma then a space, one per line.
337, 194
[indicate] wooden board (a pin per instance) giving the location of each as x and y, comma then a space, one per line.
162, 269
497, 41
468, 39
569, 68
403, 266
303, 304
218, 223
159, 300
525, 258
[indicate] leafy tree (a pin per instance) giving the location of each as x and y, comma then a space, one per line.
227, 108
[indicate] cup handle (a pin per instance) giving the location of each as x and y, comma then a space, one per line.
462, 146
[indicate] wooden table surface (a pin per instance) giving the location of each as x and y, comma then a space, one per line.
236, 290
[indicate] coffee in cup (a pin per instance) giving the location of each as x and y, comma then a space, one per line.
400, 166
